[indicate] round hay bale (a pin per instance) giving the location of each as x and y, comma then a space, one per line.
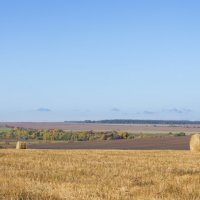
21, 145
195, 143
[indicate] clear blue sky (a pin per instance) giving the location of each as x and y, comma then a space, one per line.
75, 60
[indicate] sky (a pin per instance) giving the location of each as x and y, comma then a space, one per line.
109, 59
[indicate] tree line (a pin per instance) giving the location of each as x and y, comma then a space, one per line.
56, 135
132, 121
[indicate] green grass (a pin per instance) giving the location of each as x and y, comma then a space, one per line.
5, 129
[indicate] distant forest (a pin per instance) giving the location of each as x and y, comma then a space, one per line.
132, 121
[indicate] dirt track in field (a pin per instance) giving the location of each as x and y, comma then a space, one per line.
163, 143
105, 127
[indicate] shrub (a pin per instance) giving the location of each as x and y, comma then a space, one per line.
123, 135
131, 137
180, 134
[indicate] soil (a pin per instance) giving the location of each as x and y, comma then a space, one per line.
162, 143
105, 127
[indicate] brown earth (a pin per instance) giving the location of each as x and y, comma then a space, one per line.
105, 127
163, 143
167, 143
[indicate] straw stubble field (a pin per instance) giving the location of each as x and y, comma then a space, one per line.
99, 174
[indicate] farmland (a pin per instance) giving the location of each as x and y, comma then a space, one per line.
65, 139
162, 143
135, 128
151, 166
85, 175
69, 135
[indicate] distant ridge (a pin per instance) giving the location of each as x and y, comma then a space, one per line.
133, 121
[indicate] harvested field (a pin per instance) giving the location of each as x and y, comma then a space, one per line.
163, 143
99, 175
106, 127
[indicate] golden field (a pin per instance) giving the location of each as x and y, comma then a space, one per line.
95, 174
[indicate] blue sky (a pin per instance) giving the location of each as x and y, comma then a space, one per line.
76, 60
